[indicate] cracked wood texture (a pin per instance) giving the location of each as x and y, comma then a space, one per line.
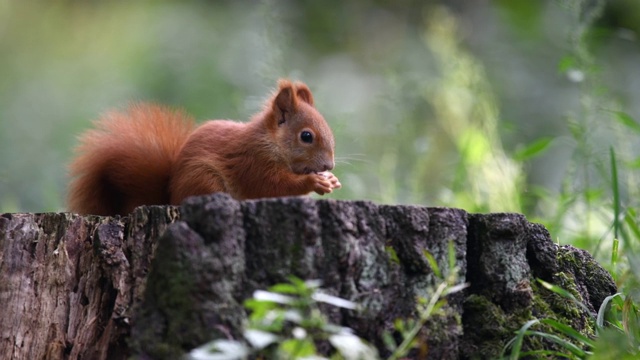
163, 280
67, 282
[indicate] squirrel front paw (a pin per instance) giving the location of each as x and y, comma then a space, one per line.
325, 182
335, 183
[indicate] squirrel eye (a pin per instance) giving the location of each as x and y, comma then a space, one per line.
306, 137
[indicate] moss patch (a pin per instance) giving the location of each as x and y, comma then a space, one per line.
487, 324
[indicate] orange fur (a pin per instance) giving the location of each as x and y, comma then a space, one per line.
126, 160
151, 155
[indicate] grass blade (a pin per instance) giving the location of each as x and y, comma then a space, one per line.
564, 293
569, 331
433, 263
630, 320
575, 350
517, 344
534, 149
627, 121
630, 221
614, 258
546, 354
452, 255
603, 310
616, 194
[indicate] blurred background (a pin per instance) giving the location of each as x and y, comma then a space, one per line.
525, 106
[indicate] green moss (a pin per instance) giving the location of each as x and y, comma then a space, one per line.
167, 315
548, 304
444, 326
489, 325
486, 324
567, 311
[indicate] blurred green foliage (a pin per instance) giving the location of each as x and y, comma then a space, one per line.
487, 106
508, 105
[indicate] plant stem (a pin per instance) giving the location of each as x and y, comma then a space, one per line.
405, 346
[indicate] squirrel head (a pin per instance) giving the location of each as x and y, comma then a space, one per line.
301, 133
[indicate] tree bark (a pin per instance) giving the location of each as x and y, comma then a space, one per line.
163, 280
67, 283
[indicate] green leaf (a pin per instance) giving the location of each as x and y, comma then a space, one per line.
630, 220
566, 63
259, 339
436, 307
334, 300
630, 320
524, 16
603, 309
569, 331
618, 302
562, 342
627, 121
634, 164
616, 194
392, 254
284, 289
534, 149
564, 293
509, 344
433, 263
455, 288
253, 304
399, 325
298, 348
258, 308
614, 257
273, 297
593, 194
299, 284
517, 342
351, 347
389, 341
221, 349
545, 354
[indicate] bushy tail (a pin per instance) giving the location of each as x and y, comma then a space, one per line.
126, 160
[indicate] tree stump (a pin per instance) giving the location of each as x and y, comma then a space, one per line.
165, 279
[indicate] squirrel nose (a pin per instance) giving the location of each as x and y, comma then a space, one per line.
327, 166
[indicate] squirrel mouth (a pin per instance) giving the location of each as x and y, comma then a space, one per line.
307, 171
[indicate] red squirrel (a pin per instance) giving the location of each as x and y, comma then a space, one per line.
152, 155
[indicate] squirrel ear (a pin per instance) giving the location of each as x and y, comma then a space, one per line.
304, 93
285, 102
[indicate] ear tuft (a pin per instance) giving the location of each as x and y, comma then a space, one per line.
287, 99
303, 93
284, 103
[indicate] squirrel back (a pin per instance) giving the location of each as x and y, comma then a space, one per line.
126, 160
285, 150
151, 155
